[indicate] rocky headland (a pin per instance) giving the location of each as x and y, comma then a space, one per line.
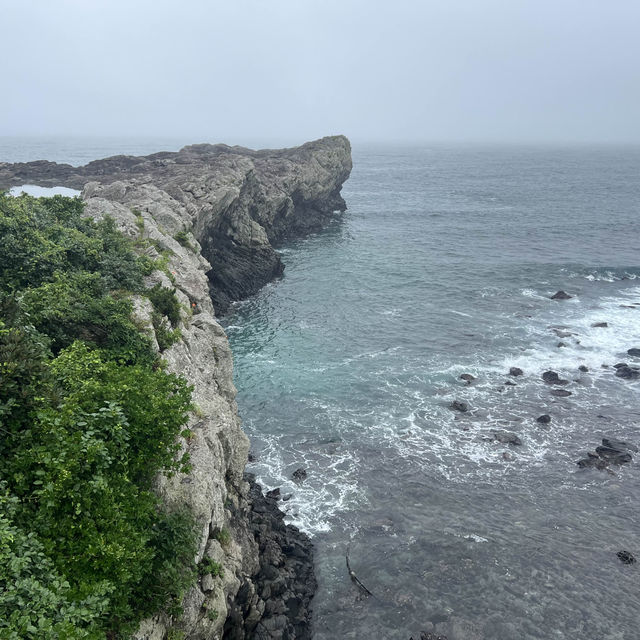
213, 214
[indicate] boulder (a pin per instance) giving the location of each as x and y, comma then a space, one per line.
635, 353
560, 393
458, 405
551, 377
467, 377
561, 295
600, 325
544, 419
583, 368
515, 371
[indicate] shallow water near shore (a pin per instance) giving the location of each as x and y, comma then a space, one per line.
443, 265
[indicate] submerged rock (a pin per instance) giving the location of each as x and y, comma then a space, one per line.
626, 557
507, 437
560, 393
561, 295
299, 475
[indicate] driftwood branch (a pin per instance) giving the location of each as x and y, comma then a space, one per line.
354, 577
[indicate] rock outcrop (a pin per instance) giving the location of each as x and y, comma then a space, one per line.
210, 215
236, 202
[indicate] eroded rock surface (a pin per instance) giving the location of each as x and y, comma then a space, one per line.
236, 202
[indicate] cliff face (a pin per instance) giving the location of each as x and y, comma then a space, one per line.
213, 213
237, 202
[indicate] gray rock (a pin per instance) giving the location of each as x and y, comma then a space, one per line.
560, 393
561, 295
515, 371
628, 373
600, 325
635, 353
467, 377
507, 437
459, 405
544, 419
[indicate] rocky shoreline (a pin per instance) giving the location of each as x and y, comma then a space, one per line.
211, 215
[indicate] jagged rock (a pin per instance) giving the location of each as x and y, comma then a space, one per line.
561, 295
515, 371
273, 494
236, 202
626, 557
459, 405
544, 419
612, 451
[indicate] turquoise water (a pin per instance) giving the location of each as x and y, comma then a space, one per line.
443, 265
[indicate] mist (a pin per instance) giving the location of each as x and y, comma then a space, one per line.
284, 71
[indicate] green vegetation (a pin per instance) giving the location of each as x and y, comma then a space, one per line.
183, 238
223, 537
208, 565
88, 417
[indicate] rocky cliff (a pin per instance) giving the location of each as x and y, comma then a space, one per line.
212, 214
237, 203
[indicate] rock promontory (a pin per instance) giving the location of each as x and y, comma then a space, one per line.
236, 202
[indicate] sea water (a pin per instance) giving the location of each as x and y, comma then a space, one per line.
444, 264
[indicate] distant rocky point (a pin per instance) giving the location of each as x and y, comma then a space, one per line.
237, 203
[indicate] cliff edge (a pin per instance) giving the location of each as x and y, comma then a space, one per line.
236, 202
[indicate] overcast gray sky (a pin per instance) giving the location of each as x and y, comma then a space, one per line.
291, 70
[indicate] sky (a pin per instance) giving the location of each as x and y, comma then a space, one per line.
291, 70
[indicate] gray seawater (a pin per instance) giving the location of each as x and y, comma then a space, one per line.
443, 265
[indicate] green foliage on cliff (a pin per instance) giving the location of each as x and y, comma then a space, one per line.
87, 420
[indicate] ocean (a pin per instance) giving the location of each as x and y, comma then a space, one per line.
444, 264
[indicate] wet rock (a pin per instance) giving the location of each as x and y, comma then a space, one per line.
508, 383
626, 557
427, 635
620, 445
562, 334
274, 494
561, 344
251, 457
286, 497
561, 295
620, 364
516, 371
583, 368
506, 456
592, 461
551, 377
507, 437
601, 325
627, 373
458, 405
635, 353
560, 393
467, 377
544, 419
613, 456
299, 475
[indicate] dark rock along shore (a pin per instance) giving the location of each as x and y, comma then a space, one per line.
232, 205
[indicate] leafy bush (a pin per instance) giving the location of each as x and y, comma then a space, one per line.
165, 302
88, 418
209, 565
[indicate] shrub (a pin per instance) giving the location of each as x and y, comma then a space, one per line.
165, 302
208, 565
88, 418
